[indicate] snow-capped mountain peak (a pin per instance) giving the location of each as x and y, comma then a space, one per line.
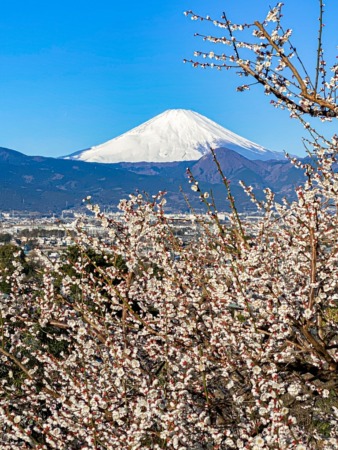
174, 135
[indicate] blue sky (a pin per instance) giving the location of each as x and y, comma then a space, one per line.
76, 74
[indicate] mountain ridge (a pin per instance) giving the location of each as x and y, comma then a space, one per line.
37, 183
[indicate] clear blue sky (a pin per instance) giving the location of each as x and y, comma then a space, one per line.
77, 73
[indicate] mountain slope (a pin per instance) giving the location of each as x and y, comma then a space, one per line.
37, 183
42, 184
175, 135
280, 176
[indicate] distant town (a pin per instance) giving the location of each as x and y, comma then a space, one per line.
52, 234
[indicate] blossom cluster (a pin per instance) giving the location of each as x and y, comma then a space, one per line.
228, 342
263, 51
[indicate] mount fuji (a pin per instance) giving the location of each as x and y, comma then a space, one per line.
174, 135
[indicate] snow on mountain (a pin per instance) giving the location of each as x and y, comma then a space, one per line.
175, 135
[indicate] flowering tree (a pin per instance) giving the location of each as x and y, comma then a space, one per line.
269, 58
228, 342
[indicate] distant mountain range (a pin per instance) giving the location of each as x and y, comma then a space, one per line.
152, 157
43, 184
175, 135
